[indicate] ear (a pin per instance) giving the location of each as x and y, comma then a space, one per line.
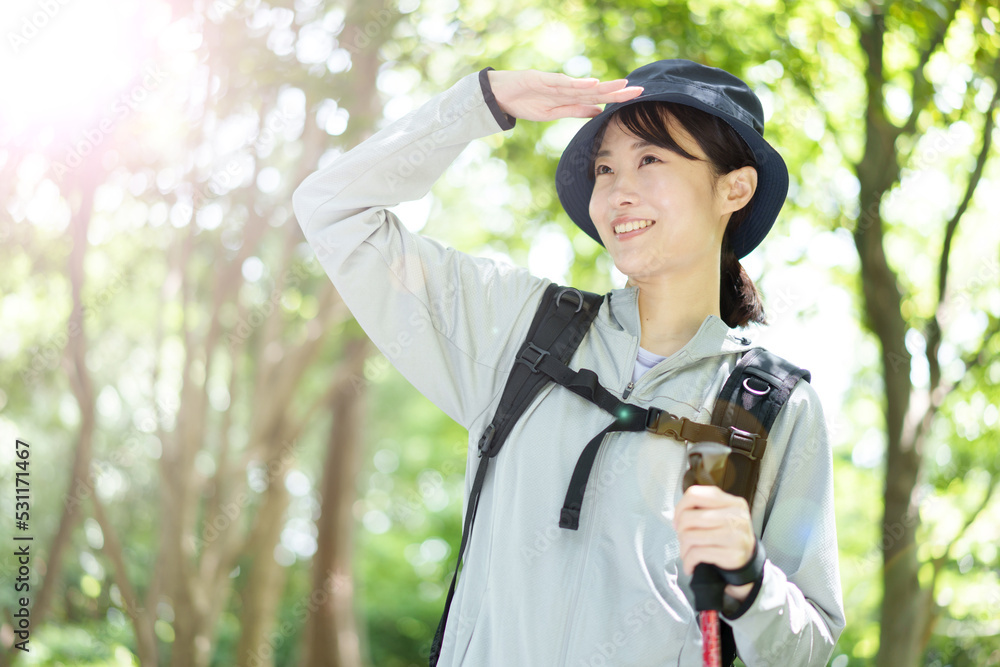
737, 188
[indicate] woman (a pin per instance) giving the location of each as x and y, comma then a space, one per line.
676, 192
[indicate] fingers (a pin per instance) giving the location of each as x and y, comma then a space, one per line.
601, 87
611, 86
707, 537
713, 527
588, 82
587, 107
705, 497
721, 546
603, 94
558, 80
708, 519
544, 96
624, 94
576, 111
708, 507
565, 84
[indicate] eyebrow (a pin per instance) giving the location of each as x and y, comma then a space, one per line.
636, 145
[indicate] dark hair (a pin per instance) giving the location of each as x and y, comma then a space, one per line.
739, 301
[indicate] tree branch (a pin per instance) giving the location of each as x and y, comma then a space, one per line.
153, 592
991, 489
921, 92
805, 84
82, 386
345, 375
933, 333
938, 393
980, 356
142, 617
939, 562
988, 124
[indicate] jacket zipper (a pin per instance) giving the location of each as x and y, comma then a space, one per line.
628, 389
588, 526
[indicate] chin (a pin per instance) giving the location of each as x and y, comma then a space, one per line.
639, 270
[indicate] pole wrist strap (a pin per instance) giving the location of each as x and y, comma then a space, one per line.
749, 573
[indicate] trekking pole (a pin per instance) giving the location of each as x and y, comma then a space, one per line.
707, 464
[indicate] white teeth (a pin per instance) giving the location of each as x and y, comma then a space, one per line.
631, 226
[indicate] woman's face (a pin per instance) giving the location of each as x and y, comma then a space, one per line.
670, 194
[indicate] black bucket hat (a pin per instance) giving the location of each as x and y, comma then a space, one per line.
712, 90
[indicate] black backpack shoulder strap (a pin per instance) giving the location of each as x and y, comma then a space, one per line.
563, 318
749, 402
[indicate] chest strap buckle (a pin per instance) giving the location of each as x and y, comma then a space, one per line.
533, 365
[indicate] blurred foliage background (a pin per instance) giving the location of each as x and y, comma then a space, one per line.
225, 472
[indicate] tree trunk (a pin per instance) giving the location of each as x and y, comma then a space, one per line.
877, 172
191, 647
80, 485
265, 577
332, 636
142, 619
331, 632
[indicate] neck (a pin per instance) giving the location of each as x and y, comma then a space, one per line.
673, 307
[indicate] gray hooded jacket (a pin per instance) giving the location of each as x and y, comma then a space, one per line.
613, 592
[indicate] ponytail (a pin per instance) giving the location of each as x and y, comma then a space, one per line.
739, 300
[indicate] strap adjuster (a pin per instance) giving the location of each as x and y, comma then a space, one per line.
533, 365
486, 439
653, 418
747, 442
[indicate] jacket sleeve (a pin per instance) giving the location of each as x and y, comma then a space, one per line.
797, 614
451, 323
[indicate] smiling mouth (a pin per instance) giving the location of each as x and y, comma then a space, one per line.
633, 225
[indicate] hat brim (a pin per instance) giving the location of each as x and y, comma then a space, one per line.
575, 188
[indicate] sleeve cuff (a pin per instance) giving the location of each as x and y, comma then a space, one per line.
505, 121
731, 610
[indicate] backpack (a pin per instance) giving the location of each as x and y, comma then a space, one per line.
743, 414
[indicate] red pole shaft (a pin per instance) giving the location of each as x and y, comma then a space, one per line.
711, 650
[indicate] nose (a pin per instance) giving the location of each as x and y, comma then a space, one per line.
623, 191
